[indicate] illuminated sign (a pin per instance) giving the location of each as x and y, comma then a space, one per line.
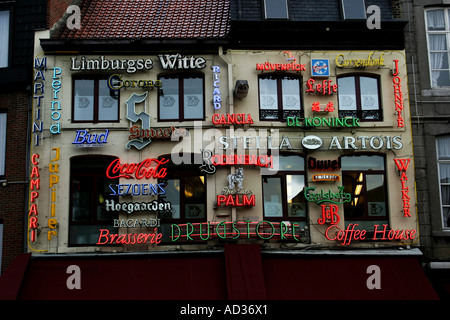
85, 139
312, 142
106, 237
326, 177
222, 160
334, 233
130, 207
324, 88
329, 214
314, 164
325, 122
402, 166
398, 96
56, 104
252, 143
327, 196
320, 68
136, 223
236, 230
238, 118
317, 108
144, 189
130, 65
177, 61
341, 62
375, 142
217, 100
38, 95
35, 183
173, 133
236, 198
148, 168
116, 83
53, 168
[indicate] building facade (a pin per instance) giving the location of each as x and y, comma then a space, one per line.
238, 145
428, 53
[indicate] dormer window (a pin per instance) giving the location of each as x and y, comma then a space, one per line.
275, 9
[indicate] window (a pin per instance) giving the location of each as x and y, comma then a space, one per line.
443, 150
276, 9
283, 192
359, 97
4, 38
89, 190
185, 190
438, 30
181, 98
279, 97
353, 9
93, 101
2, 144
364, 177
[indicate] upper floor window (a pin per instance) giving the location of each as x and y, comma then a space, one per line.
181, 98
353, 9
438, 30
276, 9
284, 192
94, 101
443, 150
359, 97
4, 38
2, 143
279, 97
364, 177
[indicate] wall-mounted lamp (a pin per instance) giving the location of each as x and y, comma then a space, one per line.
241, 89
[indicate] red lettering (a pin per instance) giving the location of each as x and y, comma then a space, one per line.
139, 170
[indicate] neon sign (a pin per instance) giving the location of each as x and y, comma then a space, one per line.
359, 63
39, 66
398, 96
140, 170
130, 65
56, 104
314, 164
116, 83
83, 138
217, 100
53, 168
130, 207
35, 183
326, 88
231, 197
327, 196
402, 166
329, 214
144, 189
130, 238
319, 122
236, 230
351, 234
173, 133
239, 118
317, 108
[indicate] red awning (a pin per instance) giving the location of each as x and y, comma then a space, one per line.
344, 278
241, 272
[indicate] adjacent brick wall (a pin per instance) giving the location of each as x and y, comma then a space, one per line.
13, 195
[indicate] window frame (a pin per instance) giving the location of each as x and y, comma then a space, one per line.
181, 77
268, 17
359, 112
282, 114
97, 175
95, 118
446, 31
3, 143
282, 176
8, 50
439, 161
366, 216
